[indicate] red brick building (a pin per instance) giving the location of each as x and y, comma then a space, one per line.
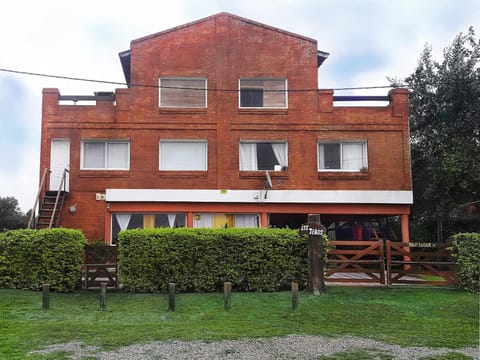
222, 125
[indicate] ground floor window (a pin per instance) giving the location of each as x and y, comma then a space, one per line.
214, 220
124, 221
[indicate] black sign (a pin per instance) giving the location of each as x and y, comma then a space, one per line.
312, 229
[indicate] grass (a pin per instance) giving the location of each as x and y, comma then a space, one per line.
418, 316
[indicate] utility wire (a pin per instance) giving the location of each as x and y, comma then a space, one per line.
28, 73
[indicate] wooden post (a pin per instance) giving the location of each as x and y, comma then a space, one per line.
103, 296
46, 296
294, 296
171, 297
316, 252
227, 295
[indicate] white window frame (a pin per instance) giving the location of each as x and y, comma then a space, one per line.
189, 141
106, 142
261, 142
364, 144
261, 87
160, 87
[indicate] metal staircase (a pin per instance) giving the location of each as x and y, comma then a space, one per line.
50, 204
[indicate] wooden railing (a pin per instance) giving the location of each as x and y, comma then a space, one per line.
37, 199
61, 187
361, 257
389, 263
420, 263
100, 266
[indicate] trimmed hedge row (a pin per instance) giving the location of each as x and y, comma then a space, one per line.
30, 258
200, 260
465, 248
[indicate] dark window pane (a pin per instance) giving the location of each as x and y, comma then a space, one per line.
332, 156
251, 98
266, 157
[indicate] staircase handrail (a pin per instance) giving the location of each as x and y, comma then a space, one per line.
37, 199
62, 182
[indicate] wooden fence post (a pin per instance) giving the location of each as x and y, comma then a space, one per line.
171, 297
294, 296
103, 296
227, 295
46, 296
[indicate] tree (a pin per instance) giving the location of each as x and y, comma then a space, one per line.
445, 132
10, 215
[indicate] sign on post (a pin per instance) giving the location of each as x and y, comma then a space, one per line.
316, 251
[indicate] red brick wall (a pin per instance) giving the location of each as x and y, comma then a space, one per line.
223, 49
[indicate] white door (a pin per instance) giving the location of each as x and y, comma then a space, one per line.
59, 161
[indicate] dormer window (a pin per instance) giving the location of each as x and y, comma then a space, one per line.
263, 93
182, 92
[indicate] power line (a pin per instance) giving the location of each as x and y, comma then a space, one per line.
28, 73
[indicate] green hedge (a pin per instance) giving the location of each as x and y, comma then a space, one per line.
30, 258
200, 260
466, 252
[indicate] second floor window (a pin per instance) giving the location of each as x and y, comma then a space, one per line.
256, 156
105, 154
183, 92
344, 156
263, 93
183, 155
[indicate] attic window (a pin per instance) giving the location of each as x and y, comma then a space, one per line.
263, 93
183, 92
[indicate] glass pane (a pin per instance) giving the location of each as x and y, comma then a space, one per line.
263, 93
275, 95
183, 155
352, 156
183, 93
331, 156
117, 155
266, 157
251, 98
94, 155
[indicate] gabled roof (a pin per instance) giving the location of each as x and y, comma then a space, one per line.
125, 55
224, 14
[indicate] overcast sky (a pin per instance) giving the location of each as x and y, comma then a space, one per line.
368, 41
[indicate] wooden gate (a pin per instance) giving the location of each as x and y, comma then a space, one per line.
100, 266
420, 263
365, 259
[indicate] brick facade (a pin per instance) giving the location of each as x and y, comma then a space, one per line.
224, 48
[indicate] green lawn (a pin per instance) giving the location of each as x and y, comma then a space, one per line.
419, 316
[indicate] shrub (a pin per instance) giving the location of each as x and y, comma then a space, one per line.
465, 249
30, 258
202, 259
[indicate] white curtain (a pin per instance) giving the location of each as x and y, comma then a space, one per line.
171, 220
117, 155
246, 221
248, 156
94, 155
280, 151
123, 220
352, 156
183, 155
321, 156
203, 221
